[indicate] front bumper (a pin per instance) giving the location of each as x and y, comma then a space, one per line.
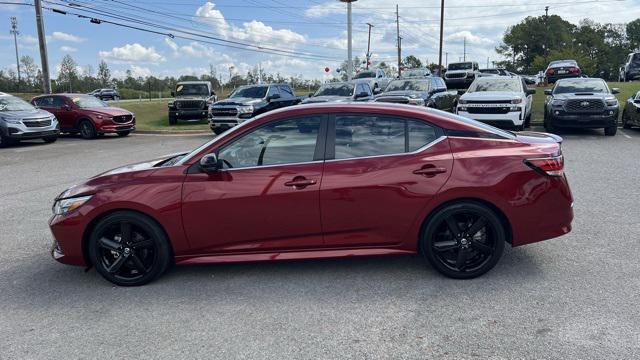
189, 114
67, 231
115, 128
508, 120
220, 122
22, 132
585, 121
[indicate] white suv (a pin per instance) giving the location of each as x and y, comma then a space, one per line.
501, 101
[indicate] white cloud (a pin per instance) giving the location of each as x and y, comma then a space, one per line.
133, 53
68, 49
470, 38
61, 36
193, 49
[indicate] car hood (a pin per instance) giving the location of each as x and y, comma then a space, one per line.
109, 111
121, 174
583, 96
239, 101
326, 98
491, 95
25, 114
407, 93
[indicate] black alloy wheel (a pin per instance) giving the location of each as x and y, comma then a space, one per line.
129, 249
87, 130
463, 240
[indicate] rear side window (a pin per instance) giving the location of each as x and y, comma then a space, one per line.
363, 135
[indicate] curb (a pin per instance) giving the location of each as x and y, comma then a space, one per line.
173, 133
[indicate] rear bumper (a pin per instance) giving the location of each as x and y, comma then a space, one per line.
553, 78
191, 114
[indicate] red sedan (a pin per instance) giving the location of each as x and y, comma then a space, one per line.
318, 181
86, 115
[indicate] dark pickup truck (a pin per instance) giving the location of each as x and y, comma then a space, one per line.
430, 92
249, 101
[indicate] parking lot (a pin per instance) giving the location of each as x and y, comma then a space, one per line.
570, 297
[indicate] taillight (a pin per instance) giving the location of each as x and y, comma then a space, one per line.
574, 69
552, 166
550, 71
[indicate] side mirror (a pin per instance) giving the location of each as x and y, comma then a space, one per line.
173, 93
547, 91
362, 94
310, 94
615, 90
531, 91
209, 163
274, 97
213, 93
66, 107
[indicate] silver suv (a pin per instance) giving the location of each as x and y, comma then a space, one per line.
19, 120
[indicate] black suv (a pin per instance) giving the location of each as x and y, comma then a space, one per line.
631, 69
248, 101
581, 103
105, 94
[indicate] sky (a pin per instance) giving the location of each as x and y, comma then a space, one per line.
293, 38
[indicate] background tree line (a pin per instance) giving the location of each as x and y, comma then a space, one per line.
599, 49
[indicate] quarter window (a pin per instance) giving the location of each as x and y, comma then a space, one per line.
284, 142
370, 135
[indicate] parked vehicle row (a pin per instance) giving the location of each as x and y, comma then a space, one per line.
20, 120
430, 92
323, 181
105, 94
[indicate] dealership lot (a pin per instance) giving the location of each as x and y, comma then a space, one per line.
571, 297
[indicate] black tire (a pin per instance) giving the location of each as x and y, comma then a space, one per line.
527, 121
519, 127
463, 240
50, 139
218, 131
549, 127
172, 120
87, 130
625, 123
123, 133
611, 130
129, 249
5, 141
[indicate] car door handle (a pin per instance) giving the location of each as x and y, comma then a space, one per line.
430, 171
300, 182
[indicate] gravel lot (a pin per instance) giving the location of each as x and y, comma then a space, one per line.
572, 297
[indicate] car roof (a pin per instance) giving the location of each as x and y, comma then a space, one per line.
193, 82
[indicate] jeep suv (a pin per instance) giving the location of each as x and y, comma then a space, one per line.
191, 101
84, 114
460, 75
581, 103
631, 69
19, 120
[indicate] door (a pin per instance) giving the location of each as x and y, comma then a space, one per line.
266, 197
55, 105
383, 173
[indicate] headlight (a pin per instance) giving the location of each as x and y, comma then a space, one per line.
416, 101
10, 121
245, 109
64, 206
462, 101
557, 102
104, 117
611, 102
516, 101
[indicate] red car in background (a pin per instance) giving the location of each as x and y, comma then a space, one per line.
317, 181
87, 115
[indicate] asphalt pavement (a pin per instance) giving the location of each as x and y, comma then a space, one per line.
574, 297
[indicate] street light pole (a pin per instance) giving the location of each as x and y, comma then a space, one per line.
349, 40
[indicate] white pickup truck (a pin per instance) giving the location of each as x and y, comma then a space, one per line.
501, 101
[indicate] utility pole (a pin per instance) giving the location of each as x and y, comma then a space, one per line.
46, 80
349, 40
546, 36
369, 46
441, 35
464, 51
14, 31
399, 41
446, 58
487, 62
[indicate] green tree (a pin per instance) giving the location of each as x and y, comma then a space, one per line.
68, 72
104, 74
412, 62
29, 70
633, 32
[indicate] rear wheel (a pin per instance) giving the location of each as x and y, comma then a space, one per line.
611, 130
129, 249
87, 130
463, 240
50, 139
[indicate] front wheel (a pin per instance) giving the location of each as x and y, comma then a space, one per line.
172, 120
463, 240
611, 130
87, 130
129, 249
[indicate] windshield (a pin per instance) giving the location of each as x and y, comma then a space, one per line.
88, 102
365, 74
569, 86
12, 103
192, 90
460, 66
496, 84
414, 85
254, 92
416, 73
335, 90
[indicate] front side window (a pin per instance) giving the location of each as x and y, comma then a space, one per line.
288, 141
50, 102
366, 135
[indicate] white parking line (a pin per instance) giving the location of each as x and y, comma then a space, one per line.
625, 135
